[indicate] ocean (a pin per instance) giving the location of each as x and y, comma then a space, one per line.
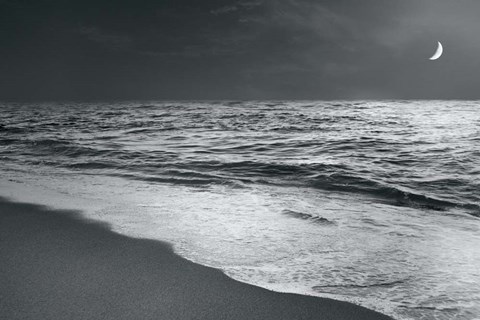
372, 202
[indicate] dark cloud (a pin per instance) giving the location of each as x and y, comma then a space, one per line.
221, 49
111, 40
223, 10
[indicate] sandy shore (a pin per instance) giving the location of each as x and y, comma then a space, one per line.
55, 265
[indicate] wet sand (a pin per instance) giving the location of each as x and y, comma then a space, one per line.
56, 265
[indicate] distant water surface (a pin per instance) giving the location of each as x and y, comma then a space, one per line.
374, 202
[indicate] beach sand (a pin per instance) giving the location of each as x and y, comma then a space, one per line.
56, 265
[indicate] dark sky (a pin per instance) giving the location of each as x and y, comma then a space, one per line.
238, 49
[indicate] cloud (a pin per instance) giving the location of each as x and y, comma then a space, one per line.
19, 4
239, 5
435, 20
311, 17
109, 39
223, 10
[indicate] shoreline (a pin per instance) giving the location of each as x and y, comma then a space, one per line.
56, 264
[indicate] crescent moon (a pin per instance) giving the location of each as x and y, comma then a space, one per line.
438, 53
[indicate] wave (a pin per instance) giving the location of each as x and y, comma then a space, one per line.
308, 216
12, 129
392, 283
163, 167
58, 147
318, 176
